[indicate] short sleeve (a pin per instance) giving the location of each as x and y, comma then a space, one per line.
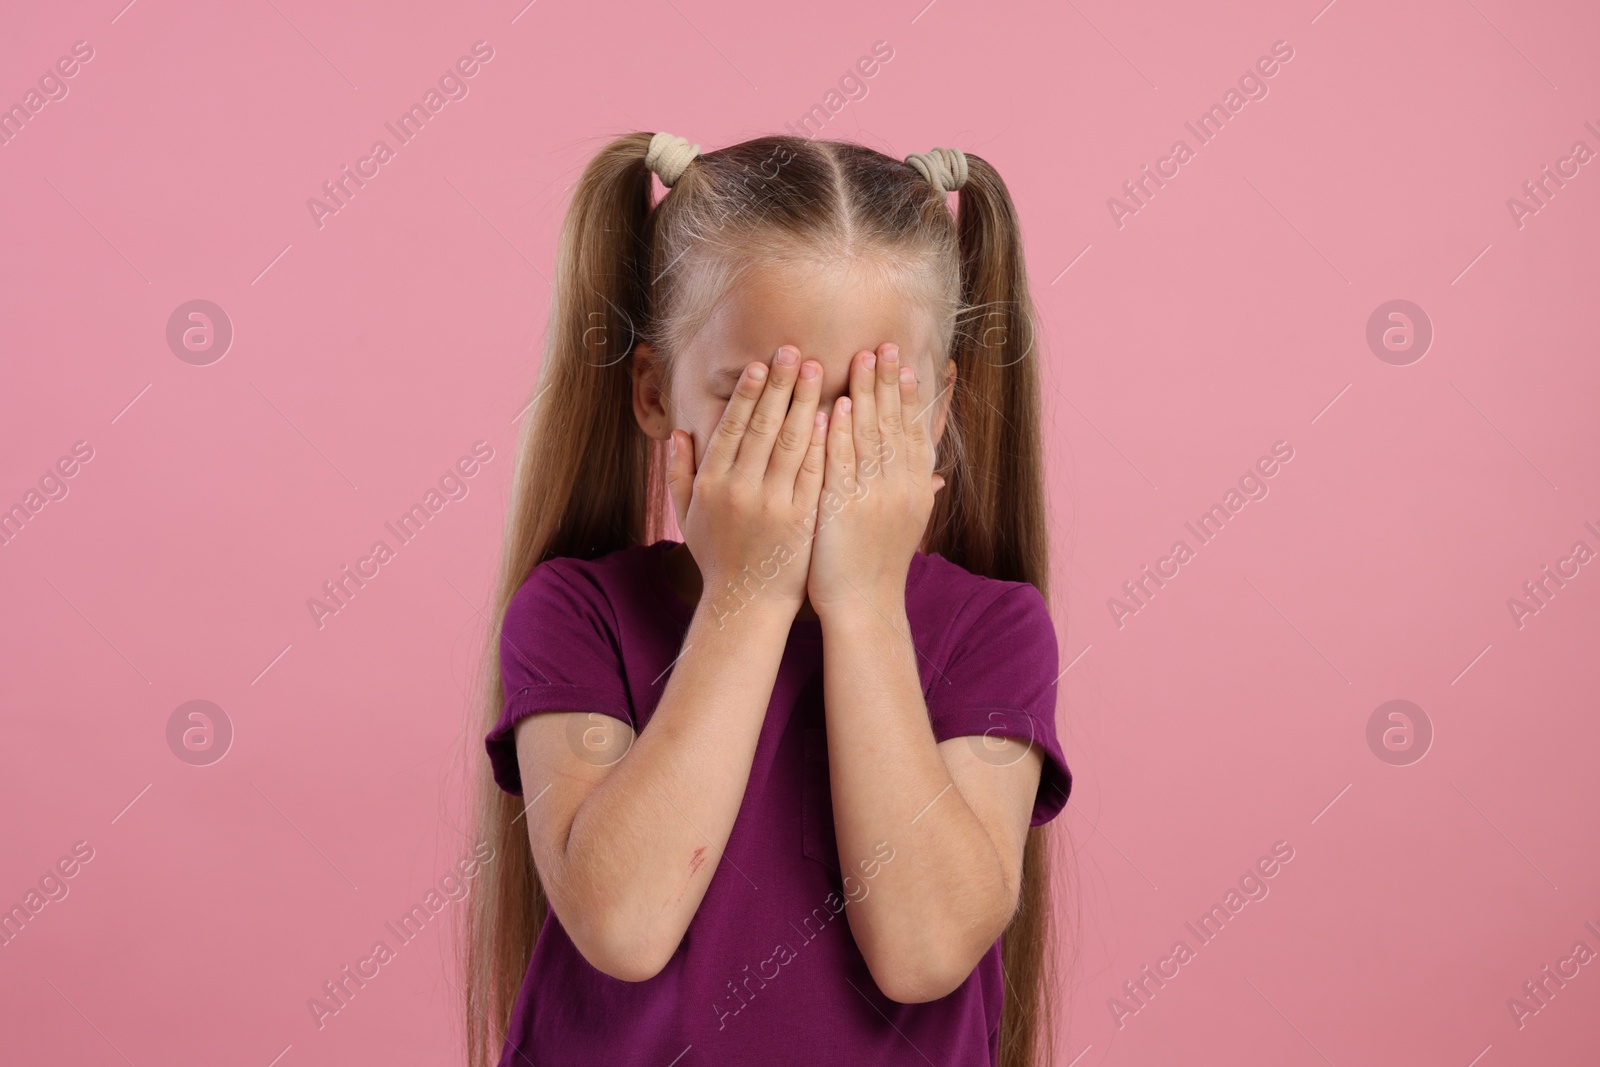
1000, 678
558, 652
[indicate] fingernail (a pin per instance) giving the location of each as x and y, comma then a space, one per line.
871, 361
808, 369
757, 372
844, 404
672, 447
891, 353
786, 355
907, 375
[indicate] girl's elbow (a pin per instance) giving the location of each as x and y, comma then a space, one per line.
921, 976
627, 955
626, 966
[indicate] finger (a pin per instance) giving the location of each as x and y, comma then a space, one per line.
864, 410
914, 423
840, 469
808, 484
680, 475
767, 418
789, 451
887, 396
723, 447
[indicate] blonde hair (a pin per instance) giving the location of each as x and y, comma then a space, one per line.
588, 481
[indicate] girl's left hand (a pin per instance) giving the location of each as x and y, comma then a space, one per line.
877, 491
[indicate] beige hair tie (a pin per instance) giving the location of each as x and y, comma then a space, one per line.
945, 168
668, 156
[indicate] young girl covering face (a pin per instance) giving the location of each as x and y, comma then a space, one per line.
776, 793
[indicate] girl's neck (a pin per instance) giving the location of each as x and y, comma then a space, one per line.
684, 574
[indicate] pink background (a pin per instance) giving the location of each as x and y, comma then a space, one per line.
1229, 313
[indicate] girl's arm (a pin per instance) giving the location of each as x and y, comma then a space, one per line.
957, 823
628, 831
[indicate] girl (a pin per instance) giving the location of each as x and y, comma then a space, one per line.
774, 793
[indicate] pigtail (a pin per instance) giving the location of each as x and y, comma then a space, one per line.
583, 487
994, 524
990, 517
592, 458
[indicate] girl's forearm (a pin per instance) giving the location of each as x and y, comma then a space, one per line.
929, 916
644, 844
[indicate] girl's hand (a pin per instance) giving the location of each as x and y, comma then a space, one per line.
748, 512
878, 491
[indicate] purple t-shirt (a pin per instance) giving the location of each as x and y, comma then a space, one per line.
768, 971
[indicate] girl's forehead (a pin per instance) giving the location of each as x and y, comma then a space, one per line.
829, 312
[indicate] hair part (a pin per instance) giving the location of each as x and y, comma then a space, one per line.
588, 481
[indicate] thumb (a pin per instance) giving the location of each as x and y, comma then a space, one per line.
680, 475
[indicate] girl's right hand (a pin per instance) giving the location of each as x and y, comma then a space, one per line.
749, 512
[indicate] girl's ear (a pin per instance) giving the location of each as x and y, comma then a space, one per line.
649, 395
942, 405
